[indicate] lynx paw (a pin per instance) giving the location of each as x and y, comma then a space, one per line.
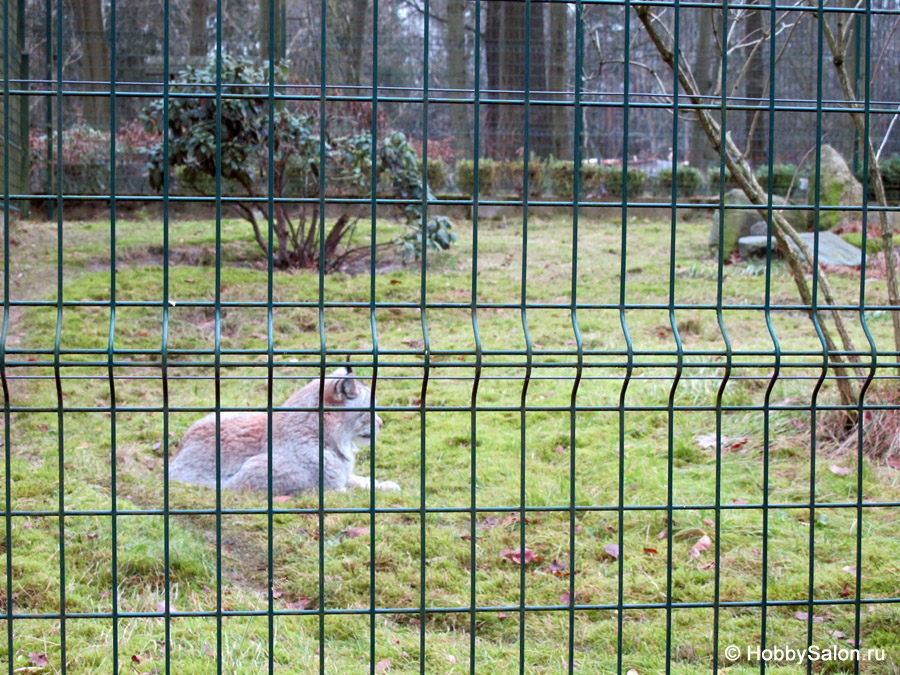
387, 485
365, 483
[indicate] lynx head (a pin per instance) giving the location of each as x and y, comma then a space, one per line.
343, 389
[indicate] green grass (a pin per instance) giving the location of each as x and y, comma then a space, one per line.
141, 452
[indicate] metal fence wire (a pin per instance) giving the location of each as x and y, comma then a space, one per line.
617, 419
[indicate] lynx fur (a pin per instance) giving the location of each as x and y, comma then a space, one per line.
295, 443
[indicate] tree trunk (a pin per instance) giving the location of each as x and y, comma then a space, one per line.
457, 68
264, 30
199, 14
700, 153
493, 19
754, 90
557, 56
540, 136
88, 17
358, 14
512, 68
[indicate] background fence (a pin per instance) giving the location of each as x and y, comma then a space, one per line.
580, 370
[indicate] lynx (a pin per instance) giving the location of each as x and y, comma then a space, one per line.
295, 443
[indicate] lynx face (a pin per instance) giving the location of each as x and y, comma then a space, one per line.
356, 397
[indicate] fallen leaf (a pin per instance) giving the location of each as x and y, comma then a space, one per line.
662, 535
564, 598
711, 563
281, 498
515, 555
38, 659
632, 672
893, 462
394, 281
355, 532
276, 593
501, 615
839, 470
849, 569
739, 501
578, 529
846, 592
612, 550
44, 428
27, 525
730, 444
382, 665
836, 634
156, 445
451, 658
93, 535
708, 522
803, 616
560, 449
557, 566
302, 603
650, 551
703, 544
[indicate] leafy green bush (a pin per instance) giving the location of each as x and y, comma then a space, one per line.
689, 179
561, 174
465, 176
437, 174
591, 178
611, 177
561, 177
713, 176
515, 176
295, 169
782, 175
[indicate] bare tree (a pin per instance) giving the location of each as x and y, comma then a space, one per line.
838, 43
741, 171
88, 16
265, 28
556, 79
199, 11
457, 73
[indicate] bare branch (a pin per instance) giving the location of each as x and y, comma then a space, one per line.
742, 172
887, 233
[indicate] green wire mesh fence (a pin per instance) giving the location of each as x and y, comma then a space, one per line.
653, 336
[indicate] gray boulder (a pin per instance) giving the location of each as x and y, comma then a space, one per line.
739, 222
833, 250
839, 187
759, 229
754, 246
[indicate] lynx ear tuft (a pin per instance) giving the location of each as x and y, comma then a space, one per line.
345, 386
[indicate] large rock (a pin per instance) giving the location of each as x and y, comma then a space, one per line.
833, 250
839, 187
739, 222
